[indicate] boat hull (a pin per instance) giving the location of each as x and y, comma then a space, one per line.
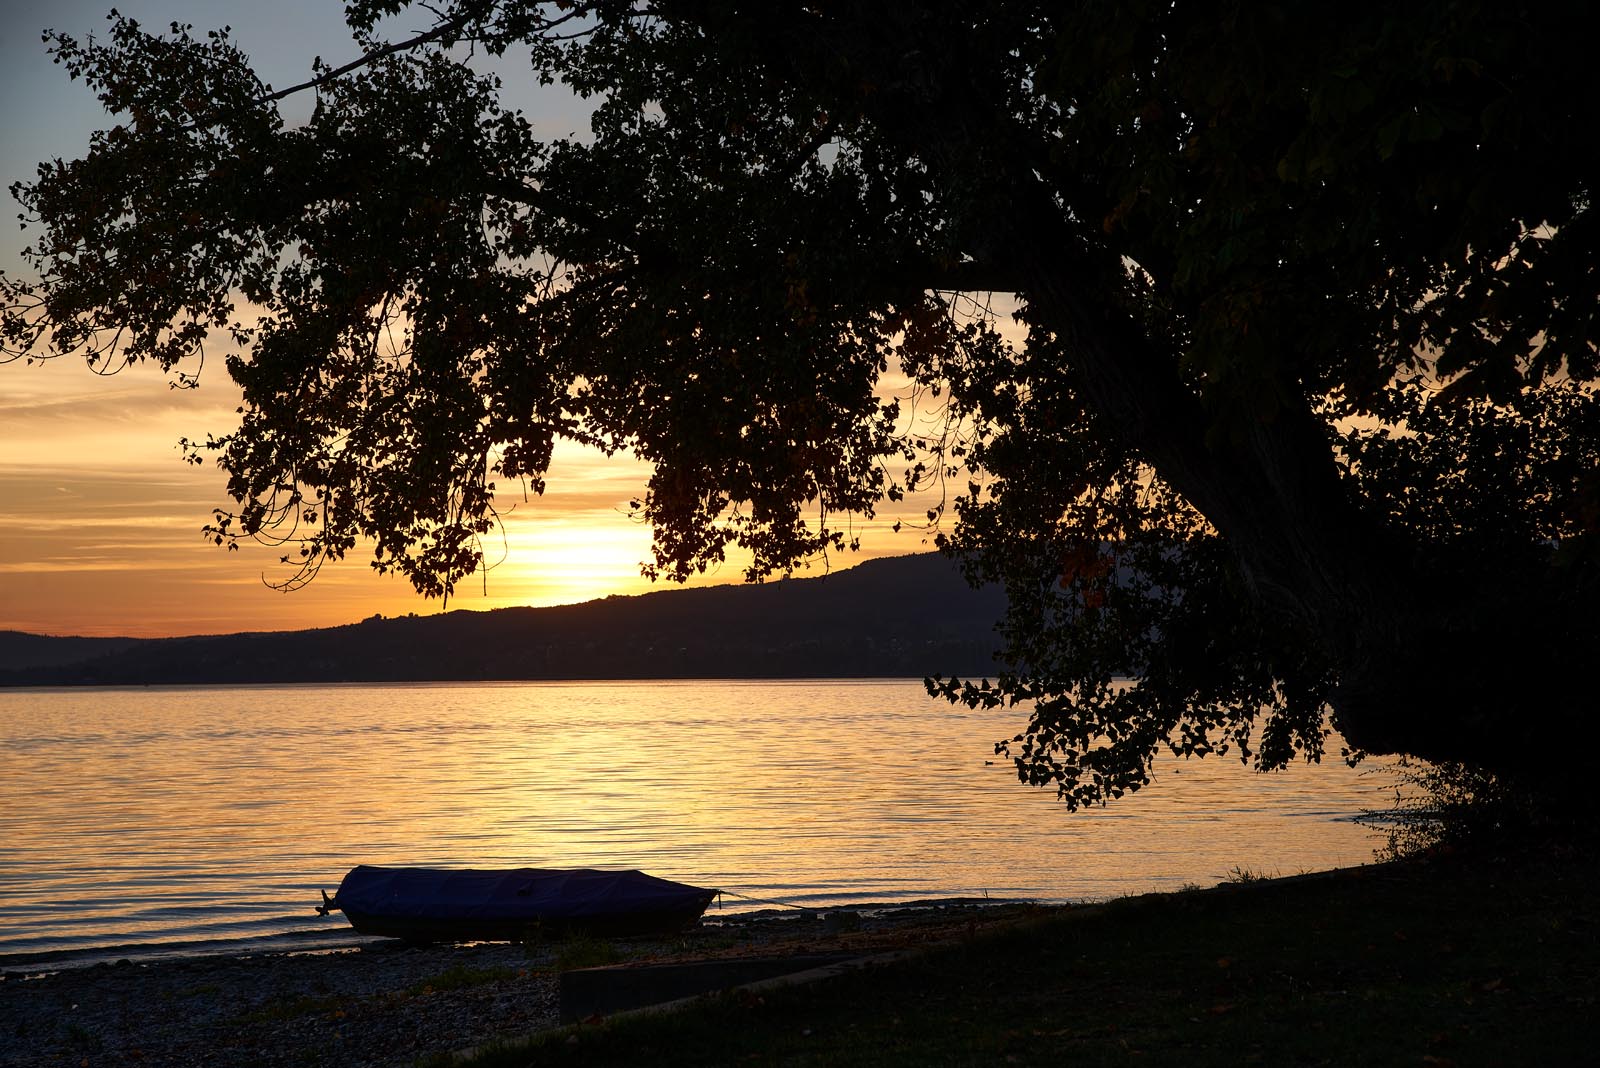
517, 904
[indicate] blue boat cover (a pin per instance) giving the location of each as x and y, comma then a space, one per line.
511, 893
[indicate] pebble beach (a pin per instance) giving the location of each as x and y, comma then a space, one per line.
376, 1005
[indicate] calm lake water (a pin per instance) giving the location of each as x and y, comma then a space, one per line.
153, 817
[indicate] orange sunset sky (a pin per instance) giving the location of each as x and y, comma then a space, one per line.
99, 517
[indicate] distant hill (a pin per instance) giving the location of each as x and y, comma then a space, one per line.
904, 616
19, 650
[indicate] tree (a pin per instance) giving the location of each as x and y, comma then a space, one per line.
1305, 421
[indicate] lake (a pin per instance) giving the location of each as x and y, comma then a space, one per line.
160, 817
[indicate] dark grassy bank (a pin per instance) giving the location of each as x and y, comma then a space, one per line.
1441, 963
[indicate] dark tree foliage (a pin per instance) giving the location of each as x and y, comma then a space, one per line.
1305, 420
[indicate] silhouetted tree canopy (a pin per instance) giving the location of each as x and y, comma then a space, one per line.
1304, 420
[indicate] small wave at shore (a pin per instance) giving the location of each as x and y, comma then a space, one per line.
94, 951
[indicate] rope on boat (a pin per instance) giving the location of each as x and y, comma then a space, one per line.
760, 900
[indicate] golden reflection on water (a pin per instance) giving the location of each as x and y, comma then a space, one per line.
173, 813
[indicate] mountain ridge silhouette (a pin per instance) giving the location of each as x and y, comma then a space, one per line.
905, 616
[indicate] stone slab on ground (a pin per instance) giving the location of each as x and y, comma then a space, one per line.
589, 992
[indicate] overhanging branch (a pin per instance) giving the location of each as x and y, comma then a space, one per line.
444, 29
470, 13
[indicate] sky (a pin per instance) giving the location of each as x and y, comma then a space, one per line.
99, 516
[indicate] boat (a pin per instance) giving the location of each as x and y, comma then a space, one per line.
511, 904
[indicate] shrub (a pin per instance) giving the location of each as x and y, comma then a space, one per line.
1450, 807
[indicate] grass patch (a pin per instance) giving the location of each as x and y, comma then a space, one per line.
461, 977
1442, 963
82, 1038
278, 1010
583, 951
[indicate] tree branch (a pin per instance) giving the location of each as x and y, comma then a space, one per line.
444, 29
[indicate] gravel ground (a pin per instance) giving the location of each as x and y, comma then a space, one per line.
385, 1003
376, 1005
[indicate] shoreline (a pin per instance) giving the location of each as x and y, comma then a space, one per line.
29, 963
383, 1002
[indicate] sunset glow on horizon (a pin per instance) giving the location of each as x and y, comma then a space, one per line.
102, 524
